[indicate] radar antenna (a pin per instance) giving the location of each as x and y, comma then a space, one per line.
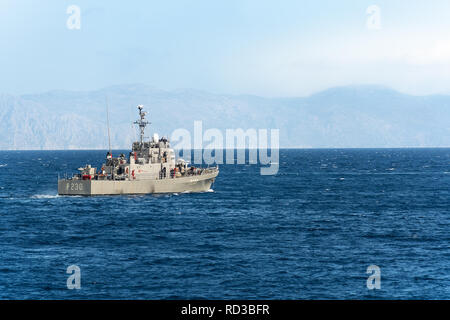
142, 123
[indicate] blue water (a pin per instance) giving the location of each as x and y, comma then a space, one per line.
309, 232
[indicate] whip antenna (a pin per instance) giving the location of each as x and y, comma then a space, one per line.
107, 121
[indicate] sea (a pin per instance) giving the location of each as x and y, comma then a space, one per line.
331, 224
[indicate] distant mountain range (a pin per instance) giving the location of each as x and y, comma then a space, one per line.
353, 117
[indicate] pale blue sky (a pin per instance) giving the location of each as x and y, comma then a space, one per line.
269, 48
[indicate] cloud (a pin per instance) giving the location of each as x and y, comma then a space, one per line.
300, 65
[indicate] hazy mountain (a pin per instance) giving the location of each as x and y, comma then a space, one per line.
361, 116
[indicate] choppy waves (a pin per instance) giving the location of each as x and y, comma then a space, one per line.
309, 232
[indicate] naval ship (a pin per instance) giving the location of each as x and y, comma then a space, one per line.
149, 168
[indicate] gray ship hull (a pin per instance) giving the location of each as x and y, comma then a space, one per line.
195, 183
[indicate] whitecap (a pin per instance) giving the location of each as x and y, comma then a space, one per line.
45, 196
3, 165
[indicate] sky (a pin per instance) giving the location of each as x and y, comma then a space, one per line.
260, 47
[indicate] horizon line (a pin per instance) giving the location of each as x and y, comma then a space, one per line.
281, 148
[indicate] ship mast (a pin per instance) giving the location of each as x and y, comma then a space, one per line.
142, 123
